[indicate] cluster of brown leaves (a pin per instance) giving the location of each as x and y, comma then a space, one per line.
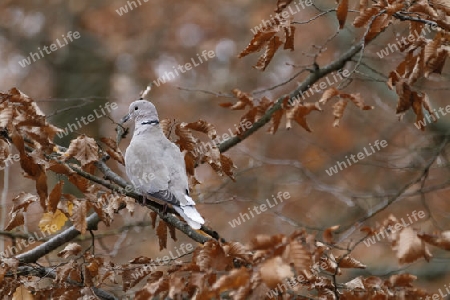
409, 244
33, 136
278, 32
341, 104
74, 278
197, 152
294, 110
430, 58
279, 266
423, 56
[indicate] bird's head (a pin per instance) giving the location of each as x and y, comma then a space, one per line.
142, 111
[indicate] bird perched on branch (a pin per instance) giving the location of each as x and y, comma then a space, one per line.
151, 153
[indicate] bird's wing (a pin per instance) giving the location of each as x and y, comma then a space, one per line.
179, 184
145, 168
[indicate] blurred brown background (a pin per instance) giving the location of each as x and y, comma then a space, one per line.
117, 56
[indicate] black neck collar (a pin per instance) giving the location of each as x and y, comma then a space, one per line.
150, 122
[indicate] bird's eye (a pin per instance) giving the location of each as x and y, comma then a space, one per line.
136, 108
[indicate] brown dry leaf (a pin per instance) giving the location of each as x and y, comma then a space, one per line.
404, 93
55, 197
84, 149
436, 63
60, 168
153, 216
338, 111
263, 105
6, 115
227, 166
365, 16
132, 276
264, 241
212, 157
442, 240
33, 169
244, 99
420, 101
70, 249
275, 121
296, 254
113, 150
79, 215
186, 140
368, 230
232, 281
17, 219
236, 249
328, 234
378, 25
443, 5
63, 272
423, 7
274, 270
341, 13
161, 232
282, 4
349, 262
155, 288
358, 101
211, 257
80, 182
23, 200
328, 94
396, 7
289, 32
268, 54
298, 114
410, 247
50, 219
257, 43
363, 4
172, 232
22, 293
202, 126
248, 118
355, 283
402, 280
167, 126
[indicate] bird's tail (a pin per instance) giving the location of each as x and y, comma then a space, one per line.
190, 215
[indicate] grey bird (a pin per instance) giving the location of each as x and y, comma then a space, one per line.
155, 165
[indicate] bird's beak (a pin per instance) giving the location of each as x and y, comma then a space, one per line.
124, 119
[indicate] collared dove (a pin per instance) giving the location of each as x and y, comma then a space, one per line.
150, 152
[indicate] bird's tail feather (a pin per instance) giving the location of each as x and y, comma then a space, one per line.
190, 215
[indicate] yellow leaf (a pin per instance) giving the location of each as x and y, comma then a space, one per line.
50, 219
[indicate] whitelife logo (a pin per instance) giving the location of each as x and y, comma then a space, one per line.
391, 48
184, 249
32, 238
89, 119
262, 207
53, 47
169, 75
334, 170
285, 14
204, 147
392, 229
124, 9
430, 118
319, 87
